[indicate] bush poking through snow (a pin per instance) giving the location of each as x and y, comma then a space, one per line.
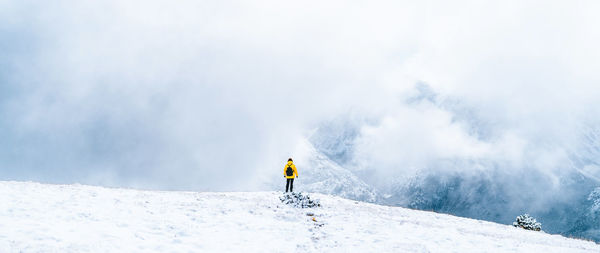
527, 222
299, 200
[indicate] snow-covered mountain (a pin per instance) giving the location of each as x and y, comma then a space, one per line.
551, 175
319, 173
75, 218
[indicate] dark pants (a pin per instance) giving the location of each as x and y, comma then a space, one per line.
290, 185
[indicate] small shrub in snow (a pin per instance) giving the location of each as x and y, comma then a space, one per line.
299, 200
527, 222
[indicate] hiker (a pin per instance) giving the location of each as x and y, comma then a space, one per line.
289, 172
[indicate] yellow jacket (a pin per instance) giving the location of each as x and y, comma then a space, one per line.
290, 163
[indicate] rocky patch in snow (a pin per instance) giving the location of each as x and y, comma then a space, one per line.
299, 200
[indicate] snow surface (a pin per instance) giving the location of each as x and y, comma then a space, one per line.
76, 218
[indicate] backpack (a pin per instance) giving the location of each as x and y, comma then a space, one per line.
289, 171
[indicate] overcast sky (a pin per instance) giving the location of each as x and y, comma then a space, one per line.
206, 95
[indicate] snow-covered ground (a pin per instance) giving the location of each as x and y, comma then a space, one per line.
75, 218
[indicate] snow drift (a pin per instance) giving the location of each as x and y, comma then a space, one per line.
76, 218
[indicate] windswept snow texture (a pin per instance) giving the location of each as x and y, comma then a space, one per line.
76, 218
320, 174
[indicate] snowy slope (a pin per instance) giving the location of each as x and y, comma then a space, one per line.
75, 218
323, 175
320, 174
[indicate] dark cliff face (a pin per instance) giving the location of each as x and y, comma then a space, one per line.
485, 198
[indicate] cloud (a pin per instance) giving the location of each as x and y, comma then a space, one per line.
210, 95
